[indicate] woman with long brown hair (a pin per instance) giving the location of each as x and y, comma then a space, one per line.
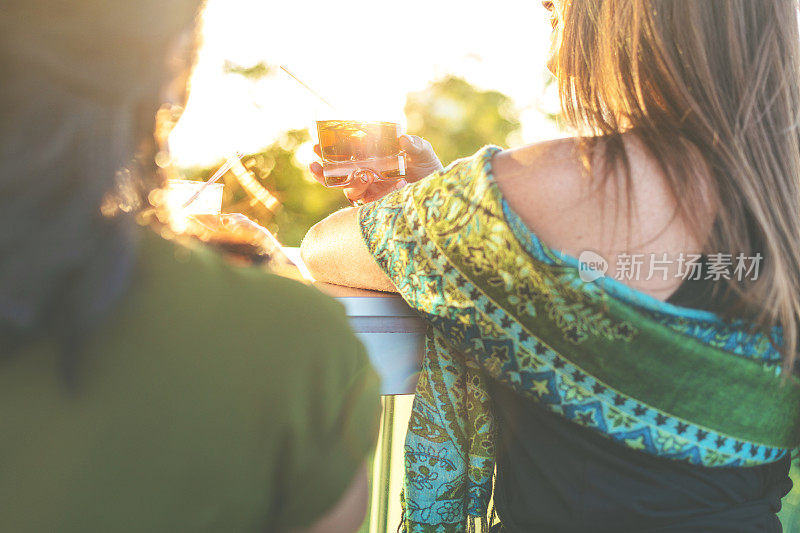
614, 316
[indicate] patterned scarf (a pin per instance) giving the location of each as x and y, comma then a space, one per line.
669, 381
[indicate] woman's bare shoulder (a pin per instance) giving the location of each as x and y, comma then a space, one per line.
573, 208
549, 187
534, 173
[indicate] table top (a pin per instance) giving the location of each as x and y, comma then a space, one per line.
393, 334
356, 300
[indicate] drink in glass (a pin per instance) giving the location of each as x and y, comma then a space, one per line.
348, 145
178, 192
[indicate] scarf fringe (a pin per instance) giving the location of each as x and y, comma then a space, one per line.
477, 524
486, 522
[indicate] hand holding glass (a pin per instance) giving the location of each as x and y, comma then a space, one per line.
347, 146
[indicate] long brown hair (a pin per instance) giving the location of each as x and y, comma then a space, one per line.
712, 85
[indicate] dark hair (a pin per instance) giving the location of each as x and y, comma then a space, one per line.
81, 84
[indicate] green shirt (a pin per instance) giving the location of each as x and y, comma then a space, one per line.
216, 398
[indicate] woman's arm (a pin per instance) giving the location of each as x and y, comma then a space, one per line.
333, 249
334, 252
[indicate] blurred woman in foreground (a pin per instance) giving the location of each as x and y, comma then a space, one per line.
648, 399
147, 385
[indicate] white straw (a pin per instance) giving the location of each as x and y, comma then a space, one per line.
213, 179
306, 87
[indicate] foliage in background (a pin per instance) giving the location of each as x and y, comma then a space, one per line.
255, 72
789, 514
458, 118
303, 201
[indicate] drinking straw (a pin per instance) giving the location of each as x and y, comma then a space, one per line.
309, 89
213, 179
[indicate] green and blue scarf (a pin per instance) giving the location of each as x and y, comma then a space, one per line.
669, 381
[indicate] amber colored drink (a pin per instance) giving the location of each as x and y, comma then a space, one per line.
347, 145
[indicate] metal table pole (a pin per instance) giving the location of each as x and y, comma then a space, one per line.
382, 478
394, 337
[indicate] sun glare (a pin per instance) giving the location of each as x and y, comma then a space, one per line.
362, 56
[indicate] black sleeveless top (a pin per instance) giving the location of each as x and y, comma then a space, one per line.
556, 476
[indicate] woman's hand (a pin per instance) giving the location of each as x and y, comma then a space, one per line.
237, 235
421, 161
233, 226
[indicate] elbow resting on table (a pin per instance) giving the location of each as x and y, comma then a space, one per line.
334, 252
310, 253
325, 250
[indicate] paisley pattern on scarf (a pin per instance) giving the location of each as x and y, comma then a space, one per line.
499, 303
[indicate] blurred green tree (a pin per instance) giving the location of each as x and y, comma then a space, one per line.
455, 116
254, 72
458, 118
304, 202
301, 200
